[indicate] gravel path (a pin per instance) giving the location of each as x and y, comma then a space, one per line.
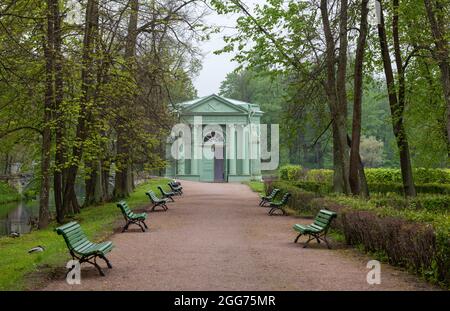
216, 237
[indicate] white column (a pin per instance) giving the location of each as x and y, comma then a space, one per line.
245, 164
232, 149
194, 152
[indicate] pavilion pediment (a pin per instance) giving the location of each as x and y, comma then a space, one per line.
214, 104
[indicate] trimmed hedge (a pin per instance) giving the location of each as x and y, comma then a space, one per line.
320, 176
420, 188
416, 239
317, 187
386, 175
429, 202
290, 172
378, 187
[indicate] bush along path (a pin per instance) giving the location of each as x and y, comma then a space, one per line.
216, 237
409, 234
20, 270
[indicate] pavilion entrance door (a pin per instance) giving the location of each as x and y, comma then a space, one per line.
219, 164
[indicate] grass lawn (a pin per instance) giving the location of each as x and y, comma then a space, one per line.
256, 186
16, 265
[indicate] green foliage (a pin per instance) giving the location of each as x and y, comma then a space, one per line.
8, 193
290, 172
371, 151
390, 187
317, 187
386, 175
430, 202
320, 176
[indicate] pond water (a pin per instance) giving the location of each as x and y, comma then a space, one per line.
22, 216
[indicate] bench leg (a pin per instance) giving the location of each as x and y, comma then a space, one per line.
107, 261
140, 226
99, 269
307, 242
298, 236
125, 228
324, 238
145, 225
96, 266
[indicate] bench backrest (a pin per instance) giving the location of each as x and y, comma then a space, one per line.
152, 196
273, 193
173, 186
285, 198
124, 208
73, 234
324, 218
162, 190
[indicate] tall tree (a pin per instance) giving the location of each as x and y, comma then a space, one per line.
123, 180
396, 95
49, 53
70, 202
438, 20
58, 114
336, 93
356, 170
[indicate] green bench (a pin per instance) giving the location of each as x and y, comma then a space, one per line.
318, 229
270, 197
156, 201
167, 195
279, 206
81, 248
132, 218
175, 187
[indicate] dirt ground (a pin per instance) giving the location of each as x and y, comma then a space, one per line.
215, 237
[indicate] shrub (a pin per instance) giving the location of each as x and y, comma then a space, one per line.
317, 187
421, 175
417, 240
430, 202
387, 175
320, 175
290, 172
391, 187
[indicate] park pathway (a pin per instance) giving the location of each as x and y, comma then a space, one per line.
215, 237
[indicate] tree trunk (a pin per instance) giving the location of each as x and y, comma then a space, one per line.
364, 187
123, 182
48, 105
59, 130
355, 167
336, 94
438, 26
397, 105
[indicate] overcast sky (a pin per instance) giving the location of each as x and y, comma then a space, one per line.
215, 67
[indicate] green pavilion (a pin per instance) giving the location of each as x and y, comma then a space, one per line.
217, 140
